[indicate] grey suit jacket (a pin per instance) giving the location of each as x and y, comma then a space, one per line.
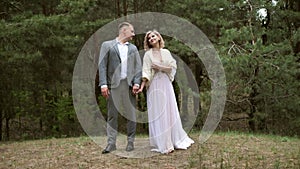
110, 65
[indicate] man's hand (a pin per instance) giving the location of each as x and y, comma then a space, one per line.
135, 89
105, 92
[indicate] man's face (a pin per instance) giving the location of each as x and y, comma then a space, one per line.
128, 33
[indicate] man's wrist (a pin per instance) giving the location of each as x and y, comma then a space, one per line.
103, 86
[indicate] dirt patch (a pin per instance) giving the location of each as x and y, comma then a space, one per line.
225, 150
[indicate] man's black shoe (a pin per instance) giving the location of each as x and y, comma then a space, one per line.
109, 148
129, 146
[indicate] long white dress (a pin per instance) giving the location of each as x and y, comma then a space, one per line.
165, 129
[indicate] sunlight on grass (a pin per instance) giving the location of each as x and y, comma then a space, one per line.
222, 150
246, 150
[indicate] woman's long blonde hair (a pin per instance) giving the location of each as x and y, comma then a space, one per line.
147, 45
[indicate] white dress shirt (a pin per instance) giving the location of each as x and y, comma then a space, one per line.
123, 50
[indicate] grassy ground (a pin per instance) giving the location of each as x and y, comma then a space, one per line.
222, 150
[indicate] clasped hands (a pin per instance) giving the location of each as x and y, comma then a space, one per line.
158, 67
138, 89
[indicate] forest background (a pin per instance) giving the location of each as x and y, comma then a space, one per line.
258, 43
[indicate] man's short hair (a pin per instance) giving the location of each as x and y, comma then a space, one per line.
123, 24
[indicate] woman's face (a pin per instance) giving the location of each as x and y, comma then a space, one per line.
153, 39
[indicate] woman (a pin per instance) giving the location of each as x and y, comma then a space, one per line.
159, 68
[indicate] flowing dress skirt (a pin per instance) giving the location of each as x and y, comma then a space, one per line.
165, 128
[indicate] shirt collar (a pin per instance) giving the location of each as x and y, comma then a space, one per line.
126, 43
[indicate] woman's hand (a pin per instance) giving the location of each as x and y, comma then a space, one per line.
139, 91
142, 86
159, 67
155, 67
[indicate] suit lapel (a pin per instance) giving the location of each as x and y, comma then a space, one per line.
115, 47
129, 51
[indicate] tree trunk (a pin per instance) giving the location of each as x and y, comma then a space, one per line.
41, 125
1, 123
199, 78
135, 6
117, 3
125, 7
7, 128
184, 104
253, 101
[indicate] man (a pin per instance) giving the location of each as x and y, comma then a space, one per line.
120, 76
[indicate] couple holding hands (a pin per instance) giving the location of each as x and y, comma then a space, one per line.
122, 76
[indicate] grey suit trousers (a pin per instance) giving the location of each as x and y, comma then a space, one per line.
121, 101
